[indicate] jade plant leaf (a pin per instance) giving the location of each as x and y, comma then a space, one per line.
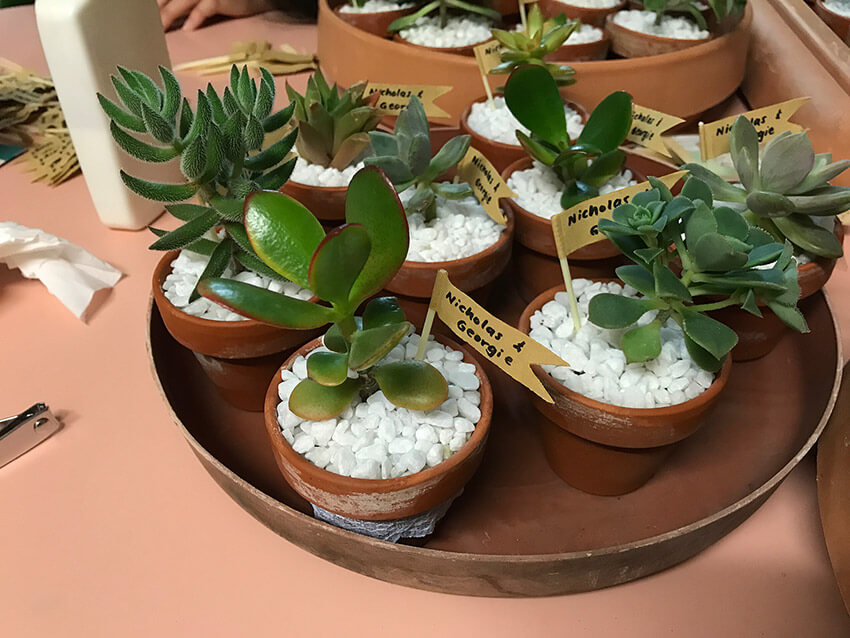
609, 123
604, 168
334, 340
328, 368
265, 305
284, 234
381, 312
615, 311
533, 98
642, 343
415, 385
338, 261
316, 402
371, 345
715, 337
372, 202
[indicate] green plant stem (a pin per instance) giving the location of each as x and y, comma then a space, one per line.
687, 266
347, 326
717, 305
444, 15
368, 385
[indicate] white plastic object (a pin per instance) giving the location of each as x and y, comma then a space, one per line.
84, 42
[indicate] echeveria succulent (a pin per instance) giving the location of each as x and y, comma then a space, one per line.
333, 126
683, 248
584, 164
539, 39
783, 187
443, 8
343, 268
220, 150
405, 156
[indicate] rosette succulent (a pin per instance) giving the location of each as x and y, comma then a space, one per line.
684, 248
444, 8
583, 164
343, 268
333, 127
539, 39
784, 189
220, 147
405, 156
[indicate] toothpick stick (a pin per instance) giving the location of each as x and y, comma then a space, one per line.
703, 151
426, 331
522, 17
568, 284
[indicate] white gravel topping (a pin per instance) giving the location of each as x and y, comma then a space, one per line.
592, 4
460, 31
376, 6
598, 368
841, 7
500, 125
316, 175
187, 269
584, 34
676, 27
378, 440
461, 228
539, 188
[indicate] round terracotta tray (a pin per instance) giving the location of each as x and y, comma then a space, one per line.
518, 530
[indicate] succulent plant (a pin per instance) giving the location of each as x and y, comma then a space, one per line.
692, 7
585, 164
443, 7
539, 39
333, 127
718, 255
343, 268
784, 187
219, 149
405, 156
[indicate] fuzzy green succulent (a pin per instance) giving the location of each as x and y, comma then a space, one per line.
585, 164
784, 187
333, 126
540, 38
405, 156
717, 254
343, 268
220, 150
444, 9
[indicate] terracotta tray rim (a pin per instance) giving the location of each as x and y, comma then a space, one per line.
760, 492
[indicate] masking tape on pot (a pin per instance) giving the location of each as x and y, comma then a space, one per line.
648, 126
576, 227
487, 185
504, 346
394, 97
769, 121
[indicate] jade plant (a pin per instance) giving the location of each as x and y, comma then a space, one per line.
333, 126
343, 268
540, 38
685, 248
443, 7
583, 164
405, 156
784, 188
220, 149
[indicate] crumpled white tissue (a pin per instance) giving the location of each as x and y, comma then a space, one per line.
71, 273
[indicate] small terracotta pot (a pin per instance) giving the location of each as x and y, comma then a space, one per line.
502, 155
634, 44
385, 499
416, 278
588, 15
584, 52
814, 275
327, 203
838, 23
238, 356
374, 23
606, 449
757, 336
467, 50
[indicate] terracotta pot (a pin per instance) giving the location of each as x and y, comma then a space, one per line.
634, 44
757, 336
240, 357
838, 23
327, 203
606, 449
386, 499
814, 275
535, 232
588, 15
505, 7
584, 52
374, 23
501, 155
416, 278
467, 50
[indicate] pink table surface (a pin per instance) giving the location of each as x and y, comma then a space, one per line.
112, 528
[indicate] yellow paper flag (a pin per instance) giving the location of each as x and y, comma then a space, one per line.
648, 126
488, 186
769, 121
503, 345
488, 55
577, 226
394, 97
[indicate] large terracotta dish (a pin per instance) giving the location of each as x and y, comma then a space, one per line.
518, 530
350, 55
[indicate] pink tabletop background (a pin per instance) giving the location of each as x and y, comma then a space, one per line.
112, 527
